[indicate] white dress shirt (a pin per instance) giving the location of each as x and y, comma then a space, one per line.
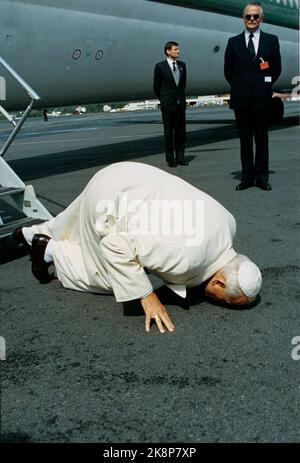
255, 39
170, 61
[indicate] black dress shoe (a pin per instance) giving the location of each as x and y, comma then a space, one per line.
264, 186
172, 164
38, 266
182, 163
18, 236
243, 186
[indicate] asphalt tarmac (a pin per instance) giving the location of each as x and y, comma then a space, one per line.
80, 367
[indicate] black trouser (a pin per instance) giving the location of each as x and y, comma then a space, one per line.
174, 132
253, 123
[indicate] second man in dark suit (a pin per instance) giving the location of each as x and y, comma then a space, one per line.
169, 87
252, 65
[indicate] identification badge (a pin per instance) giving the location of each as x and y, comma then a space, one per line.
268, 79
264, 64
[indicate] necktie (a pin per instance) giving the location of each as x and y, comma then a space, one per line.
251, 48
176, 74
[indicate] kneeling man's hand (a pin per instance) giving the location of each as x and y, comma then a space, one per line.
155, 310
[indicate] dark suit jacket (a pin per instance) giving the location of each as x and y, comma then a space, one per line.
165, 87
246, 78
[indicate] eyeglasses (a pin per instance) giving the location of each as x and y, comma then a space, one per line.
250, 16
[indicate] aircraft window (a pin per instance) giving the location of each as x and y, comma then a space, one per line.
76, 54
99, 54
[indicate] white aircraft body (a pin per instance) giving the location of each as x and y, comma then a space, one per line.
88, 51
64, 52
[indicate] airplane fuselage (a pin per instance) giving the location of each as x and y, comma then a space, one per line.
97, 51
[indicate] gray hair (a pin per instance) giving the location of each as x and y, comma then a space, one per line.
230, 273
254, 4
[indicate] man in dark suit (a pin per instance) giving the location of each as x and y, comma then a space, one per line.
252, 65
169, 87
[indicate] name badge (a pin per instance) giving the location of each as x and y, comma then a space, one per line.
268, 79
264, 65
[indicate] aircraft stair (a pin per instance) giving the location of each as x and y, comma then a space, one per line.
19, 205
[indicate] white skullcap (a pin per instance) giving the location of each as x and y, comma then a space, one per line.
250, 279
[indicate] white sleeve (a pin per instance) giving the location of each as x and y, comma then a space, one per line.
128, 278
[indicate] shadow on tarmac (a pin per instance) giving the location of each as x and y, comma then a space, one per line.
237, 174
11, 250
74, 160
195, 296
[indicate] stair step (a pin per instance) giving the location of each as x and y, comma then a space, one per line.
9, 212
6, 230
7, 191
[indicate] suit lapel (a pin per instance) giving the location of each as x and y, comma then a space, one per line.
168, 71
180, 70
261, 45
244, 51
241, 42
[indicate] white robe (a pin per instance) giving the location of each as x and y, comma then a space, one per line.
133, 219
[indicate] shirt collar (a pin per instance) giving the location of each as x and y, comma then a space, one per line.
170, 61
256, 34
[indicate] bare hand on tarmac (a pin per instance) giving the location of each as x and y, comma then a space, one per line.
154, 309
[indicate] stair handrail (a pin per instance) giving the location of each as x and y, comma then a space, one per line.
34, 97
32, 93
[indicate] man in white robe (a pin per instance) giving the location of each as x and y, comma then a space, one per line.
132, 220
